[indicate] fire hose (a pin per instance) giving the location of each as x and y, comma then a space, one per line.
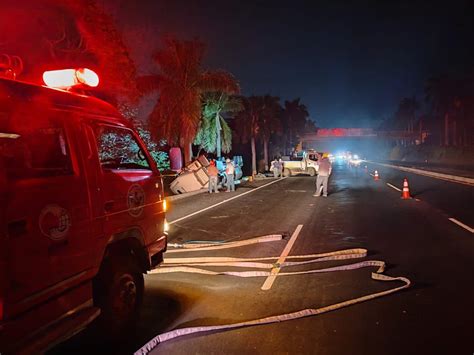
223, 245
182, 265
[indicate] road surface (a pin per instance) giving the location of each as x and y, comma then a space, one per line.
414, 237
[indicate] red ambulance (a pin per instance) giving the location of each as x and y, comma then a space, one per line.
82, 213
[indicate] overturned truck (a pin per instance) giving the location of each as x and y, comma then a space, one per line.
195, 177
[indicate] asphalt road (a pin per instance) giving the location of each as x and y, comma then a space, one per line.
415, 238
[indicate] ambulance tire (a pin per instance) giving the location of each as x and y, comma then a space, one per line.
312, 172
118, 292
287, 173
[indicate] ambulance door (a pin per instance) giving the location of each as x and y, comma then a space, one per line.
131, 189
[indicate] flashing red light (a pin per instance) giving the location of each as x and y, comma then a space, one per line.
66, 78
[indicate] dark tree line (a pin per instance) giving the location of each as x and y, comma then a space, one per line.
277, 129
194, 104
445, 114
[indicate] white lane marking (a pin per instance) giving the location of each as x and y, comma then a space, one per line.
393, 187
225, 201
273, 274
371, 175
466, 227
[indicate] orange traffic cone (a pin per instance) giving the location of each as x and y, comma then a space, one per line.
406, 190
376, 175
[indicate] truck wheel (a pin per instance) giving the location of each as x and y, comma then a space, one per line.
287, 173
312, 172
118, 292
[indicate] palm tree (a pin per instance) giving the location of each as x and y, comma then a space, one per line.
295, 116
181, 82
260, 118
215, 107
269, 122
247, 125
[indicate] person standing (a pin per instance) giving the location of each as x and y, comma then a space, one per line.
280, 167
213, 173
274, 167
229, 172
325, 169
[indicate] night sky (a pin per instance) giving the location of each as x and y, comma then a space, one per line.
350, 61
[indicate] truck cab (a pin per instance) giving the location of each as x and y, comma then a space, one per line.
82, 216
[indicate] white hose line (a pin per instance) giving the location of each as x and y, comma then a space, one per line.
258, 265
240, 243
245, 274
211, 259
287, 316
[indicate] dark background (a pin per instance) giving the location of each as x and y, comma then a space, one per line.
350, 61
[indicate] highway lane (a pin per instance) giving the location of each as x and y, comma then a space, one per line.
452, 199
415, 238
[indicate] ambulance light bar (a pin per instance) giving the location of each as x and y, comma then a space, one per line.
67, 78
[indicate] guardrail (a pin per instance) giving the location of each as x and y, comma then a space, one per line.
433, 174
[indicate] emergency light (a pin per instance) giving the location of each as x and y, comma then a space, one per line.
66, 78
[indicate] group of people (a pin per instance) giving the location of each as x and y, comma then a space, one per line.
324, 171
213, 173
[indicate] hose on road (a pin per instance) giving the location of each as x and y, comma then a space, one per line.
182, 266
212, 246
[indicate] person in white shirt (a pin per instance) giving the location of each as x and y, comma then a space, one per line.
274, 167
325, 169
229, 171
280, 167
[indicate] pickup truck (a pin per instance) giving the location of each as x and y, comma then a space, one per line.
305, 164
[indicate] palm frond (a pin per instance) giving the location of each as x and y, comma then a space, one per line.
180, 114
233, 105
219, 80
226, 137
206, 137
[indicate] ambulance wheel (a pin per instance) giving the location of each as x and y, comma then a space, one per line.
312, 172
287, 173
118, 292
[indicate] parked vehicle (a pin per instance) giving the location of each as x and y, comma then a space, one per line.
82, 214
303, 163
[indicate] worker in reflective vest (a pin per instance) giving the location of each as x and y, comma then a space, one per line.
229, 171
